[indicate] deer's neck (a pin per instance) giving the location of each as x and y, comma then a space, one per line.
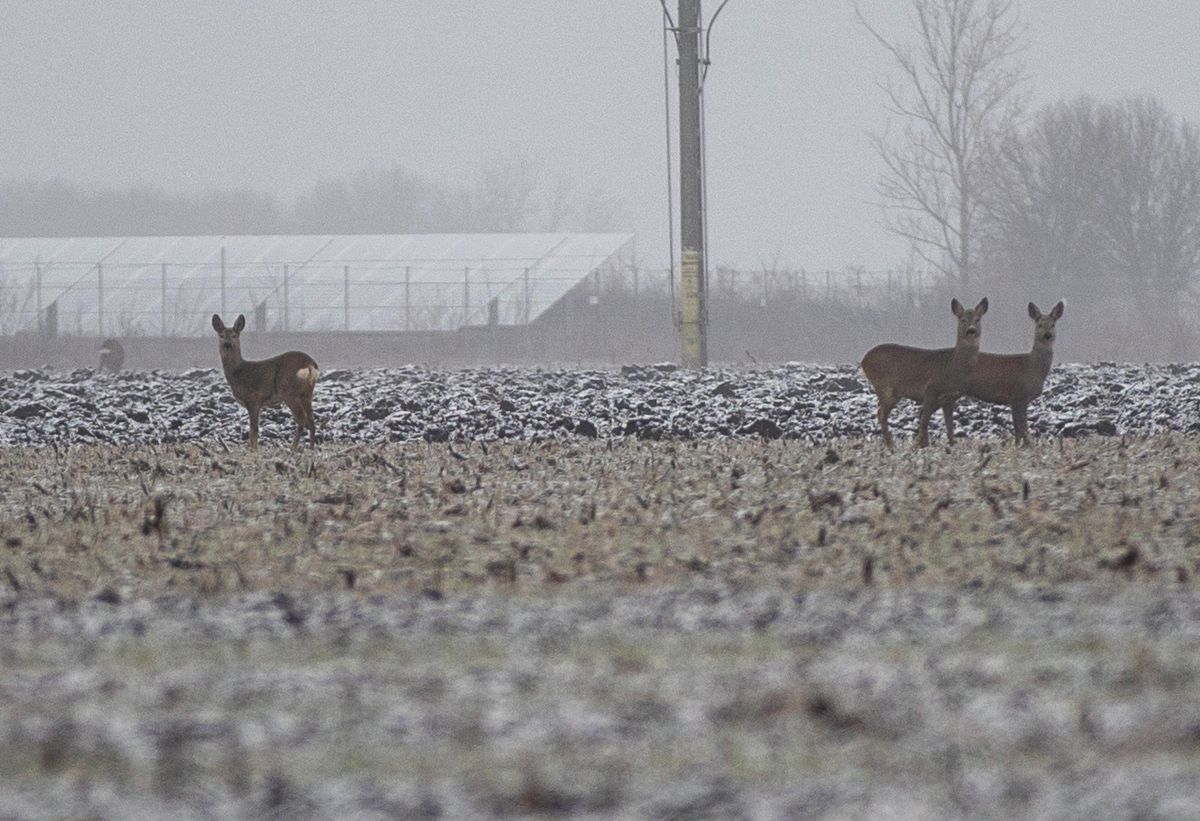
231, 362
966, 351
1041, 357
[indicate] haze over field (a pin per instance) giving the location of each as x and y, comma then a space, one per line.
277, 95
534, 528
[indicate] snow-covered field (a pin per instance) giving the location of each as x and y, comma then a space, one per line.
811, 402
1066, 702
639, 593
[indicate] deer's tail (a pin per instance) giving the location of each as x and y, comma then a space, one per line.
309, 374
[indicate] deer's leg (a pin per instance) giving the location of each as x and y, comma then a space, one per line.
927, 412
254, 411
948, 415
297, 409
885, 410
928, 406
312, 420
1020, 412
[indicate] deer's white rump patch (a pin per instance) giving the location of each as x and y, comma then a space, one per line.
309, 374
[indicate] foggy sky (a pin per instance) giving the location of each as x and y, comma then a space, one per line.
275, 94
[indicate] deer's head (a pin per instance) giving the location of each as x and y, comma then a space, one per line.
1043, 324
968, 320
230, 344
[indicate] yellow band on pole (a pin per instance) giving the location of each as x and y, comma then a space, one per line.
689, 325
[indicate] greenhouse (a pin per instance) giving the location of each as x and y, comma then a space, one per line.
170, 286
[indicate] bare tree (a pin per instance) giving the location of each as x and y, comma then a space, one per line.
1101, 201
1041, 190
570, 207
960, 89
1152, 204
505, 199
511, 194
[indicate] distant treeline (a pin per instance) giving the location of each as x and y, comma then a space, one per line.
508, 196
1099, 203
769, 316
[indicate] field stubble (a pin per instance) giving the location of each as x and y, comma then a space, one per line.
537, 517
730, 628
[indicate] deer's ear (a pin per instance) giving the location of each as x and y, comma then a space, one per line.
956, 307
240, 323
1034, 313
981, 308
1056, 311
218, 325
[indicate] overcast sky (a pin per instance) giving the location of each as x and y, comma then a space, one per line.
277, 93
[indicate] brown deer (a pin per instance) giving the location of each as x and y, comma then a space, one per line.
288, 378
934, 377
1016, 379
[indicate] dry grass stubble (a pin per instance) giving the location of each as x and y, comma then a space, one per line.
556, 516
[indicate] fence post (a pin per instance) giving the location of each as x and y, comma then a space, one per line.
346, 295
407, 300
162, 310
285, 298
525, 278
37, 274
466, 296
222, 281
100, 297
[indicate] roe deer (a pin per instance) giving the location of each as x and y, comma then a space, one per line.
934, 377
1017, 379
288, 378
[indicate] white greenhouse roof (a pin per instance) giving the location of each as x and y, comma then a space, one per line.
172, 285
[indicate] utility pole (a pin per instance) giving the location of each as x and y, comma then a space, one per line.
693, 312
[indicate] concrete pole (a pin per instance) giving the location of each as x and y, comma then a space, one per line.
693, 318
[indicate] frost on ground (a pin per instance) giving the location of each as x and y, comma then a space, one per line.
805, 401
715, 628
566, 516
1079, 701
644, 593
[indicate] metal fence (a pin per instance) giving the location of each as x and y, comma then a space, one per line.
855, 286
177, 298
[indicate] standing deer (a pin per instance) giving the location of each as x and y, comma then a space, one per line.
288, 378
934, 377
1016, 379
